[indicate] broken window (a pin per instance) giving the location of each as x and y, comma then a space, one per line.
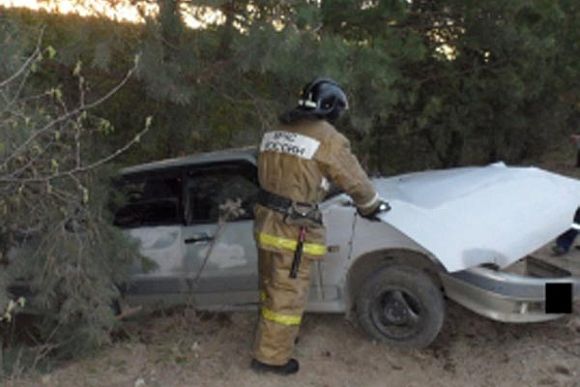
214, 190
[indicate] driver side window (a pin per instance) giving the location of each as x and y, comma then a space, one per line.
150, 201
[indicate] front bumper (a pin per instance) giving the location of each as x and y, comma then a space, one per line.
509, 296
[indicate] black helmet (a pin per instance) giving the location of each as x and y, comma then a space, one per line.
325, 98
322, 98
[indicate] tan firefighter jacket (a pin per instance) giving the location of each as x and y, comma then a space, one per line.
298, 162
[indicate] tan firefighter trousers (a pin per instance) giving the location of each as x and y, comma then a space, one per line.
282, 303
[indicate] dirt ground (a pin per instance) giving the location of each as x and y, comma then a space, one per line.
183, 348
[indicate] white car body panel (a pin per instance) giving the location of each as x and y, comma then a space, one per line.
469, 216
452, 220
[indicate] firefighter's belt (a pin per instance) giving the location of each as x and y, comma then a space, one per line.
290, 208
284, 319
268, 240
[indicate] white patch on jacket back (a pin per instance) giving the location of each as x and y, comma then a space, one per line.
293, 144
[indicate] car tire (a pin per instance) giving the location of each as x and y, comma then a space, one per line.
401, 306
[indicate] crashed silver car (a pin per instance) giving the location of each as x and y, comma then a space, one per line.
463, 234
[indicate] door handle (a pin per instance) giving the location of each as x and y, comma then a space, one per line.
201, 237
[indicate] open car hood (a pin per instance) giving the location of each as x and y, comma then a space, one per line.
469, 216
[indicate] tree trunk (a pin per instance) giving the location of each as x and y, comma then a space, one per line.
228, 9
171, 27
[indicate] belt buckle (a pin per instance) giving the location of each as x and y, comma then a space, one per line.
301, 209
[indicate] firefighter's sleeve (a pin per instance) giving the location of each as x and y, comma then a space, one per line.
340, 166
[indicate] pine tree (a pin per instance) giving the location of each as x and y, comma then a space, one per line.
56, 236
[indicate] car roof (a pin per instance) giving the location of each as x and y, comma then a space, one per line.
237, 154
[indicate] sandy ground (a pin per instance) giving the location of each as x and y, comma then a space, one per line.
185, 348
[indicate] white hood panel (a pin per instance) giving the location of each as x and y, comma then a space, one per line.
469, 216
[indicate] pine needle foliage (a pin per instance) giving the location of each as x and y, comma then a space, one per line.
451, 82
59, 253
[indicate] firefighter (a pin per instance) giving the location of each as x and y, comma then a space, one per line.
296, 165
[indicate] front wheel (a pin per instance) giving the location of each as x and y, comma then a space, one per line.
401, 306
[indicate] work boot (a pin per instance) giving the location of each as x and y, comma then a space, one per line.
558, 251
291, 367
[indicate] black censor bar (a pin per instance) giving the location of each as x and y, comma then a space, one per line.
558, 298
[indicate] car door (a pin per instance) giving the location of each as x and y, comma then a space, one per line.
220, 254
152, 213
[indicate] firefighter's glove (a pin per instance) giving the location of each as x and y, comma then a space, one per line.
373, 216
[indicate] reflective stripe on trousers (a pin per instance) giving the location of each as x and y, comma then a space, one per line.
314, 249
284, 319
282, 304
